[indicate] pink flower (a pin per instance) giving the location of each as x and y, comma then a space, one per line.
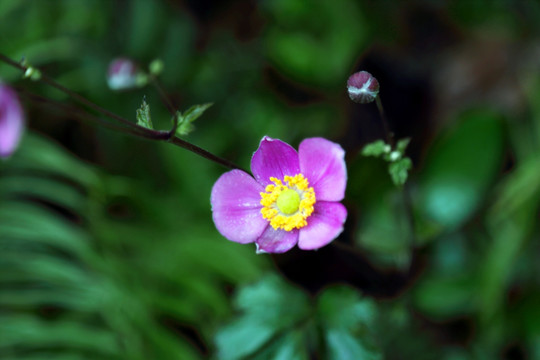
11, 121
292, 199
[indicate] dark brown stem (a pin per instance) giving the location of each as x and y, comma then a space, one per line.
81, 114
130, 127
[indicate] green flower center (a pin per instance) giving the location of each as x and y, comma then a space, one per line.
288, 202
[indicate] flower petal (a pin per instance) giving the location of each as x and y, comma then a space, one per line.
274, 158
322, 163
236, 207
11, 121
277, 241
324, 225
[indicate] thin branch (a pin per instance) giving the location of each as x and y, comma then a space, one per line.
134, 129
81, 114
389, 136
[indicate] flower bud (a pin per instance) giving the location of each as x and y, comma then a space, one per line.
122, 74
156, 67
11, 121
362, 87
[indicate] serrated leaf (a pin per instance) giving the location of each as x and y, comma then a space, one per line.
143, 115
185, 120
399, 170
376, 148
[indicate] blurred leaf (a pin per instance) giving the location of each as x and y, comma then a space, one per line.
510, 221
288, 346
446, 296
376, 148
61, 249
399, 170
269, 309
402, 144
25, 331
38, 154
143, 115
310, 50
460, 168
280, 322
384, 230
347, 320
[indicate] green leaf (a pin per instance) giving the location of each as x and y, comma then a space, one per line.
376, 148
281, 323
20, 330
185, 121
290, 346
446, 296
347, 320
399, 170
38, 154
384, 231
297, 44
143, 115
460, 168
402, 144
511, 222
269, 309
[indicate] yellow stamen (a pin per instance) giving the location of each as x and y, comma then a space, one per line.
284, 209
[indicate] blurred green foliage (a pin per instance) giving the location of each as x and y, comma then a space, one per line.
281, 322
107, 248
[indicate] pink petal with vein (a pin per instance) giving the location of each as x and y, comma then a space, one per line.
236, 207
324, 225
274, 158
323, 163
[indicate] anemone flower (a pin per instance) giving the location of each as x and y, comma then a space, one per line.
292, 198
11, 121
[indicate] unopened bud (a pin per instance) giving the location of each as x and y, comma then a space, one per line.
122, 74
11, 121
362, 87
156, 67
32, 73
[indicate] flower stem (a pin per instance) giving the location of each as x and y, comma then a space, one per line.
389, 136
129, 127
164, 98
405, 190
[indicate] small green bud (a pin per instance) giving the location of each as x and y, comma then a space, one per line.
395, 155
141, 79
32, 74
156, 67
